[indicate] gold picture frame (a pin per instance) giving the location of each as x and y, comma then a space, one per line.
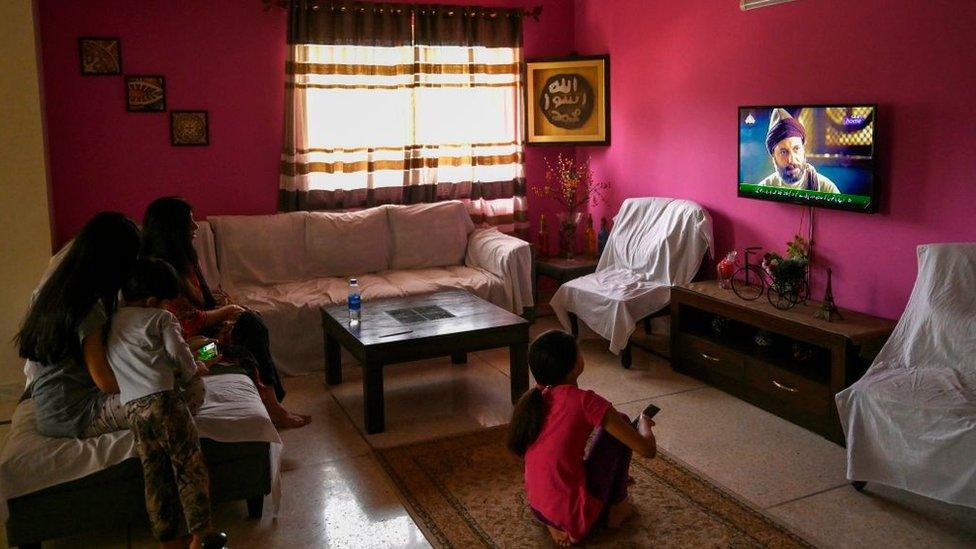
568, 101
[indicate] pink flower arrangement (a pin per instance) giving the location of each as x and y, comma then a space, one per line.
570, 183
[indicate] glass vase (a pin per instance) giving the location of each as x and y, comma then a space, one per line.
568, 222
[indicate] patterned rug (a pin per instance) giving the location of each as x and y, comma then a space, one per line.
466, 491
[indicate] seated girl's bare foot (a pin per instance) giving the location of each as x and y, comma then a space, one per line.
288, 420
619, 513
283, 419
560, 538
280, 417
294, 421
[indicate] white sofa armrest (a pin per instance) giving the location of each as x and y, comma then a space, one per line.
506, 257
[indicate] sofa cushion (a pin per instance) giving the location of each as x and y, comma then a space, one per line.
454, 277
429, 235
349, 243
260, 249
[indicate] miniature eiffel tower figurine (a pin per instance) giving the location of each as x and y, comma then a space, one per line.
828, 308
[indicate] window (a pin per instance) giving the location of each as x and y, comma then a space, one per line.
403, 104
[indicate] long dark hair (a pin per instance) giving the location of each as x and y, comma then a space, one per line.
552, 356
101, 258
166, 234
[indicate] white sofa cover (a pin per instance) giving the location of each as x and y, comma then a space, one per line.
910, 421
232, 412
287, 266
655, 243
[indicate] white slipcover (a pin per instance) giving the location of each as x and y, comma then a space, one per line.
305, 260
509, 259
260, 249
429, 235
910, 422
232, 412
655, 243
347, 243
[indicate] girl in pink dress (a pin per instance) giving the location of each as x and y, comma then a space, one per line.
568, 491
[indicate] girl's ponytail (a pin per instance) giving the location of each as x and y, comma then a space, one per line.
526, 421
552, 356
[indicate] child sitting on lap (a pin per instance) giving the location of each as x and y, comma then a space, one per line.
567, 491
151, 361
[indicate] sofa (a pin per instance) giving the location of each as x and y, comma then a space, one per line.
57, 487
287, 266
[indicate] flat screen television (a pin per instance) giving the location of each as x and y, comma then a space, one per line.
816, 155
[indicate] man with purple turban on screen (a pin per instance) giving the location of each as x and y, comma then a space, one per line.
785, 142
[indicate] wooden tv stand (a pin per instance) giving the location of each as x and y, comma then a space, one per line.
796, 377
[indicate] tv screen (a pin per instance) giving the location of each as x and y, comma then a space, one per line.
821, 155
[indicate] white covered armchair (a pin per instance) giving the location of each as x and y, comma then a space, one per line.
910, 421
655, 243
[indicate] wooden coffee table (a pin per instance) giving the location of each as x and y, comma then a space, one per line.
402, 329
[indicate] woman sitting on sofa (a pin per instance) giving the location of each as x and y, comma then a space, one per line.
63, 336
168, 232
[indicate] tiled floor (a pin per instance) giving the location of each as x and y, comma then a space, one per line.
335, 495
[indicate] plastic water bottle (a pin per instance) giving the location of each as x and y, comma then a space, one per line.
355, 302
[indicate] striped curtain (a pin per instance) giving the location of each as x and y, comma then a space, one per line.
393, 103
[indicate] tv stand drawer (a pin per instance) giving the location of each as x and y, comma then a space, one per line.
787, 394
709, 359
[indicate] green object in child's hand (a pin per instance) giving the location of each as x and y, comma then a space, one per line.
207, 352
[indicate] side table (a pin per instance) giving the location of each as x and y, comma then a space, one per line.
561, 270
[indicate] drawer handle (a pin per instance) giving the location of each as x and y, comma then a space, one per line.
786, 388
711, 358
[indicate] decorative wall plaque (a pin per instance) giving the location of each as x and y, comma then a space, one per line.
100, 56
568, 100
188, 128
145, 93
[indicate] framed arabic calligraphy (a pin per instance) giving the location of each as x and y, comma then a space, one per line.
568, 100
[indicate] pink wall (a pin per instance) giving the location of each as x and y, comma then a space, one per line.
225, 56
679, 70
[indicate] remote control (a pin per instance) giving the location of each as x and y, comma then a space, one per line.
650, 412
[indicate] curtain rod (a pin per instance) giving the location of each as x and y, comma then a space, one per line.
534, 13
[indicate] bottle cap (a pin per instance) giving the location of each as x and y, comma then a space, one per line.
353, 281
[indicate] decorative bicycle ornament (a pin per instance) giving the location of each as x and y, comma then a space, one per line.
782, 280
